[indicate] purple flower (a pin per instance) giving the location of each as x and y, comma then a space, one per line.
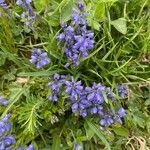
9, 139
122, 90
84, 103
3, 4
75, 38
81, 6
103, 122
78, 18
2, 145
73, 89
107, 120
64, 25
19, 2
75, 107
53, 98
100, 110
55, 86
28, 15
6, 140
39, 59
95, 93
4, 124
28, 1
109, 93
30, 147
121, 112
83, 113
78, 147
88, 101
93, 110
3, 101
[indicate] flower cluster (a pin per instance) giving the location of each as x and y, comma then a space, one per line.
76, 38
87, 101
5, 140
28, 16
39, 58
56, 86
3, 101
3, 4
122, 90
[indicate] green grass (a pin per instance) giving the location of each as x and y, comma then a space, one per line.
121, 55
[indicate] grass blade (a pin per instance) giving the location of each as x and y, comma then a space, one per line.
98, 133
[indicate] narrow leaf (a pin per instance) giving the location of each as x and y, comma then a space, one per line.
56, 143
121, 131
98, 133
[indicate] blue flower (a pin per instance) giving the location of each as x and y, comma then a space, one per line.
73, 89
30, 147
28, 1
9, 139
75, 107
122, 90
83, 113
3, 4
86, 101
93, 110
109, 93
75, 38
4, 125
81, 6
39, 58
121, 112
3, 101
28, 16
107, 120
95, 93
19, 2
55, 86
6, 140
78, 147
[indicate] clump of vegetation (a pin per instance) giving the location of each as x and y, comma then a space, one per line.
75, 74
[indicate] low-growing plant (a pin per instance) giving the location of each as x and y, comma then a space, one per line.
74, 74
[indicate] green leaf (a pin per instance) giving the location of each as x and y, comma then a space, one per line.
121, 131
98, 133
147, 102
105, 96
56, 142
38, 73
140, 121
95, 25
93, 53
53, 21
120, 24
15, 97
89, 133
66, 12
40, 4
148, 124
59, 7
28, 115
99, 11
